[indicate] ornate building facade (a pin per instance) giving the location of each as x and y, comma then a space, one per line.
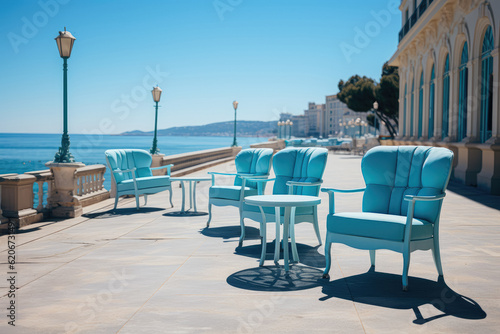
449, 68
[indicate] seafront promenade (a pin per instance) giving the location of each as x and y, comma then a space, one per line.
125, 271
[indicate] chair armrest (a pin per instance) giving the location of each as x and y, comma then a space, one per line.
304, 184
411, 207
410, 198
124, 170
255, 179
163, 167
292, 184
331, 195
218, 173
333, 190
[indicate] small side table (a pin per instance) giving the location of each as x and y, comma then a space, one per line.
289, 202
192, 194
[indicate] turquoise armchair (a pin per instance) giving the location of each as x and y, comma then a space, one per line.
131, 173
405, 187
250, 163
298, 171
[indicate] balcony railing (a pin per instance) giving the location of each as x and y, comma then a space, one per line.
419, 11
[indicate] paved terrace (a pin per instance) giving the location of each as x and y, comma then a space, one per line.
147, 272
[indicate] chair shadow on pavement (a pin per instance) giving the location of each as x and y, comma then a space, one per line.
385, 290
229, 232
120, 212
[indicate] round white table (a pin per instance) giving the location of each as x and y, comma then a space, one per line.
289, 202
192, 192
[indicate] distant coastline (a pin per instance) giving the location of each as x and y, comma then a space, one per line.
220, 129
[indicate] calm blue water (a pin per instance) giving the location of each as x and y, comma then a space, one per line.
21, 153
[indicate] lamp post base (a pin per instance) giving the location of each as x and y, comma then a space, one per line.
62, 201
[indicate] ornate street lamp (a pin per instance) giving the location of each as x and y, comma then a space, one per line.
156, 97
279, 129
65, 44
287, 125
235, 106
290, 133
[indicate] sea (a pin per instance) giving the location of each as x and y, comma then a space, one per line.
21, 152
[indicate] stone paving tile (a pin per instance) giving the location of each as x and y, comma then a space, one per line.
180, 277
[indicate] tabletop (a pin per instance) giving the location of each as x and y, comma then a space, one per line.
282, 200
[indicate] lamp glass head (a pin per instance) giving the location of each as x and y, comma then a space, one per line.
235, 104
65, 43
156, 93
375, 105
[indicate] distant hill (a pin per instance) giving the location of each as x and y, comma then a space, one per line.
243, 129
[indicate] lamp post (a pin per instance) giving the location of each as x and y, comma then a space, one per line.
358, 122
156, 97
235, 106
279, 129
375, 107
287, 125
290, 133
61, 198
65, 43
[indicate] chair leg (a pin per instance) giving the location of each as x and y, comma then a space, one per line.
328, 256
137, 202
242, 224
116, 201
316, 225
209, 214
406, 267
170, 192
436, 253
372, 258
145, 200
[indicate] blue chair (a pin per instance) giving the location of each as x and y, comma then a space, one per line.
254, 163
131, 173
405, 187
298, 171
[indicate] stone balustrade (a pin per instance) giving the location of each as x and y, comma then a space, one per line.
276, 145
186, 163
89, 188
43, 177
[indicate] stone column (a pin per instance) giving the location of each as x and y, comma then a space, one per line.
17, 199
62, 200
157, 162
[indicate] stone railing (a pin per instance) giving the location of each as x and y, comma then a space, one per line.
43, 177
186, 163
18, 194
276, 145
89, 184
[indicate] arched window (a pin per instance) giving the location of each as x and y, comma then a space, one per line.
431, 103
446, 97
462, 93
486, 86
404, 113
411, 106
420, 104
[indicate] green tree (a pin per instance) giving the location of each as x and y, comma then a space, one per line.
359, 93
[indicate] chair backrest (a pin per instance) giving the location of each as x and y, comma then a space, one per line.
301, 165
127, 159
391, 172
253, 161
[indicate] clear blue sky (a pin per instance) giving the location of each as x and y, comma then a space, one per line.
271, 56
